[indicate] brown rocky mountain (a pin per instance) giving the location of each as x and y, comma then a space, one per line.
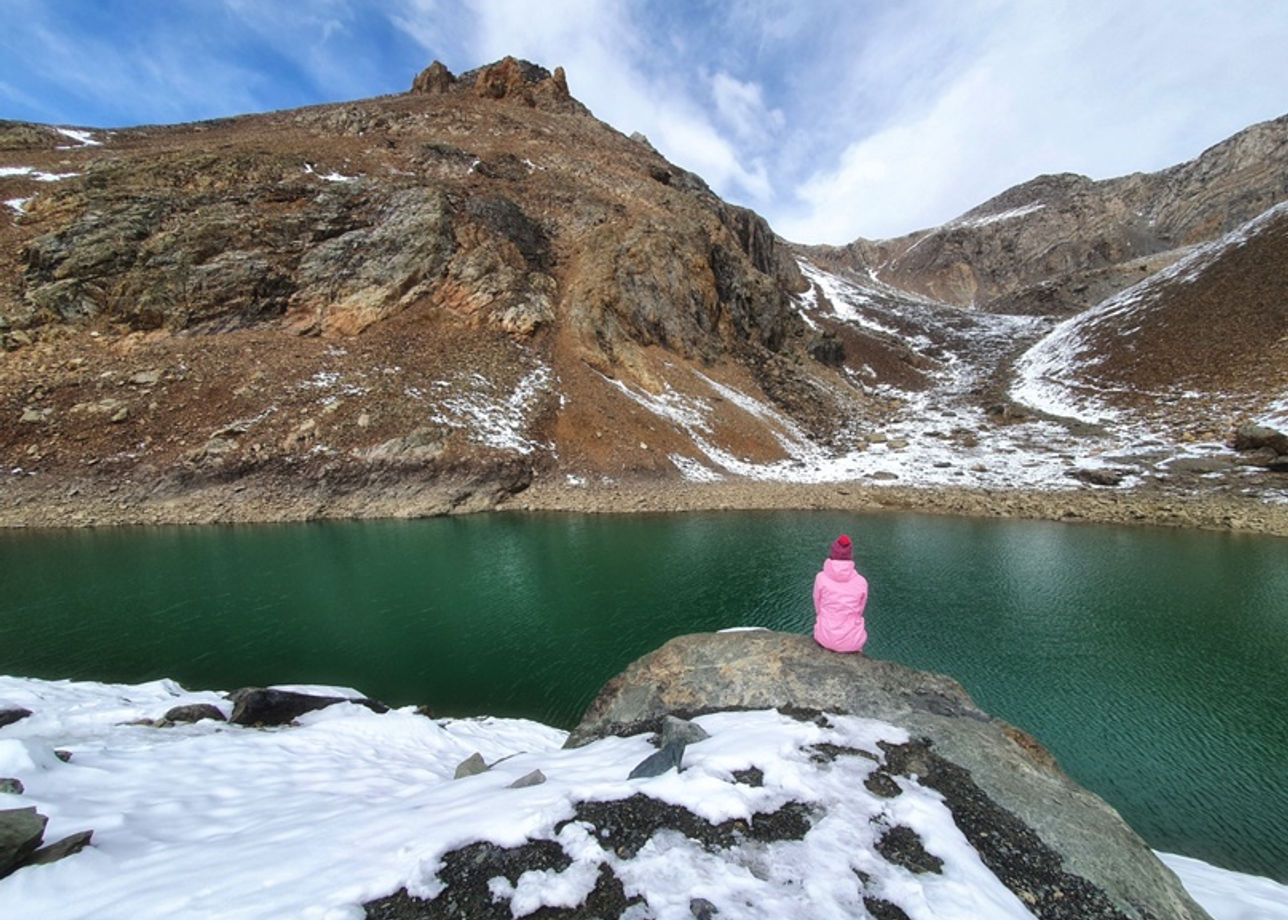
1062, 243
432, 300
452, 283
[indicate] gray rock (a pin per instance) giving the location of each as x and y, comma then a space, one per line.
68, 846
989, 768
702, 909
535, 778
659, 762
1256, 437
681, 730
1098, 476
11, 786
470, 766
194, 712
9, 716
21, 830
260, 706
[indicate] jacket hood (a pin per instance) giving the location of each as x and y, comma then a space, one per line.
839, 569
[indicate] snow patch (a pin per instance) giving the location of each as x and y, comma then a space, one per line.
81, 138
332, 176
33, 173
986, 219
1275, 415
348, 806
1050, 377
493, 418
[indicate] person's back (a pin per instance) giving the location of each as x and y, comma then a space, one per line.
840, 596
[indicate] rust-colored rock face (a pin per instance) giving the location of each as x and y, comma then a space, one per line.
425, 302
479, 256
433, 80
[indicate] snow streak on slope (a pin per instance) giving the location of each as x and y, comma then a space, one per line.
1058, 375
938, 436
212, 820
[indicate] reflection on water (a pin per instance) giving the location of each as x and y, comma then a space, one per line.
1152, 663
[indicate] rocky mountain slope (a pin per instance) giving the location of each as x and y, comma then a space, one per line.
435, 300
1062, 243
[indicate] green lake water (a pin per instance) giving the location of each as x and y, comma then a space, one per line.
1152, 663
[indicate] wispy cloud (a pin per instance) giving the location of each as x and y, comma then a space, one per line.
835, 120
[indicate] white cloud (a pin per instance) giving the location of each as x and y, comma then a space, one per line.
605, 52
742, 109
833, 120
1100, 89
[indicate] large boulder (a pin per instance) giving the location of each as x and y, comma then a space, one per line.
1063, 850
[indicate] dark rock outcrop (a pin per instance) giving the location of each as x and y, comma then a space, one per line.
1249, 437
9, 716
194, 712
21, 830
1058, 847
265, 707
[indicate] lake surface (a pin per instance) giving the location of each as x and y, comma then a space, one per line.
1153, 664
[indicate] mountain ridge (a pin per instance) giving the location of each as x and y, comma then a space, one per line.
430, 301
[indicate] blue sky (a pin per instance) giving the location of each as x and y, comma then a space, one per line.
833, 118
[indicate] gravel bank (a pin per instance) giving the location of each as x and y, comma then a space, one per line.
26, 503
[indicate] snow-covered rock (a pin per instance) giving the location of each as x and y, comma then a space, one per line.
873, 791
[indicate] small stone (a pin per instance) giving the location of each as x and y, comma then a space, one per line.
702, 909
658, 763
194, 712
21, 830
120, 415
32, 416
271, 706
62, 849
11, 786
144, 378
681, 730
535, 778
470, 766
9, 716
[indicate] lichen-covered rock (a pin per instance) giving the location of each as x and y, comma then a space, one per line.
1038, 831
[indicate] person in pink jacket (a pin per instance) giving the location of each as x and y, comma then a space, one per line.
840, 594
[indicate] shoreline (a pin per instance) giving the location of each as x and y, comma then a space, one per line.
95, 503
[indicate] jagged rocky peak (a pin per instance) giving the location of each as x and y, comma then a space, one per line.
507, 79
435, 78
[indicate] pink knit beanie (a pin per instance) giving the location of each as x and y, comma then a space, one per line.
842, 548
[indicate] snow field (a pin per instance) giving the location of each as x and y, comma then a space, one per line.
309, 821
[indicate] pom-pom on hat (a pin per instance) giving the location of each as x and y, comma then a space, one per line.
842, 548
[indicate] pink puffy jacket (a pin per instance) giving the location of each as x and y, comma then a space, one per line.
840, 594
